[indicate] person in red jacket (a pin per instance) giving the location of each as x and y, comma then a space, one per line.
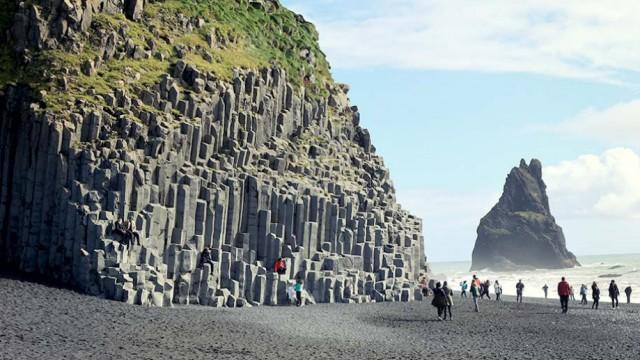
280, 266
564, 290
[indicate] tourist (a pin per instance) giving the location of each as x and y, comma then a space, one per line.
439, 300
487, 286
497, 288
280, 266
571, 294
595, 294
463, 289
298, 288
476, 281
126, 231
583, 295
545, 288
449, 296
291, 293
133, 234
205, 258
627, 292
519, 288
424, 286
564, 291
614, 293
475, 293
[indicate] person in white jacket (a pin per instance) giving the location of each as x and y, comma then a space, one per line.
497, 289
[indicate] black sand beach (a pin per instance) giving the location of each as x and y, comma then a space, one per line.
37, 321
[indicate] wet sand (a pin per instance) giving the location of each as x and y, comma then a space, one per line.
39, 321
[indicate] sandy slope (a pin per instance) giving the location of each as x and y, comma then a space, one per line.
37, 321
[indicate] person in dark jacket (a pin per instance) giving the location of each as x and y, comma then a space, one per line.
564, 291
614, 293
449, 296
485, 289
439, 300
519, 289
627, 291
205, 258
595, 294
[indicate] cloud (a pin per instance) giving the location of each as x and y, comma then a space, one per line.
603, 186
616, 125
585, 39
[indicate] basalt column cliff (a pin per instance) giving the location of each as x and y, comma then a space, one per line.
520, 232
204, 123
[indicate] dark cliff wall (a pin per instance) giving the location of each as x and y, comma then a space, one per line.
254, 167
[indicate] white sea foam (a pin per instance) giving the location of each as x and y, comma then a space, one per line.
624, 269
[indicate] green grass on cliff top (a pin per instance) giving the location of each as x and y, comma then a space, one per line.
255, 38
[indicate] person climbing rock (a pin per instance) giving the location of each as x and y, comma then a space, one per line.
280, 266
205, 258
564, 291
127, 233
595, 295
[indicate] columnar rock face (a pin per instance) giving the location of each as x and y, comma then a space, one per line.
519, 232
252, 167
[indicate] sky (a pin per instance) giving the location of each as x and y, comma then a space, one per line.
455, 93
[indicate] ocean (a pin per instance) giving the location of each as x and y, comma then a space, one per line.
624, 269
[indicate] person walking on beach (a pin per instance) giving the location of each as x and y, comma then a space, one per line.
497, 288
519, 288
298, 288
595, 294
572, 296
564, 290
475, 294
583, 295
627, 291
545, 288
449, 296
476, 281
484, 289
463, 289
439, 300
424, 286
614, 293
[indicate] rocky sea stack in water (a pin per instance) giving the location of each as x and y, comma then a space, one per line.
203, 123
519, 231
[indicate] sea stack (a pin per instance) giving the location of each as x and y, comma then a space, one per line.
519, 232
